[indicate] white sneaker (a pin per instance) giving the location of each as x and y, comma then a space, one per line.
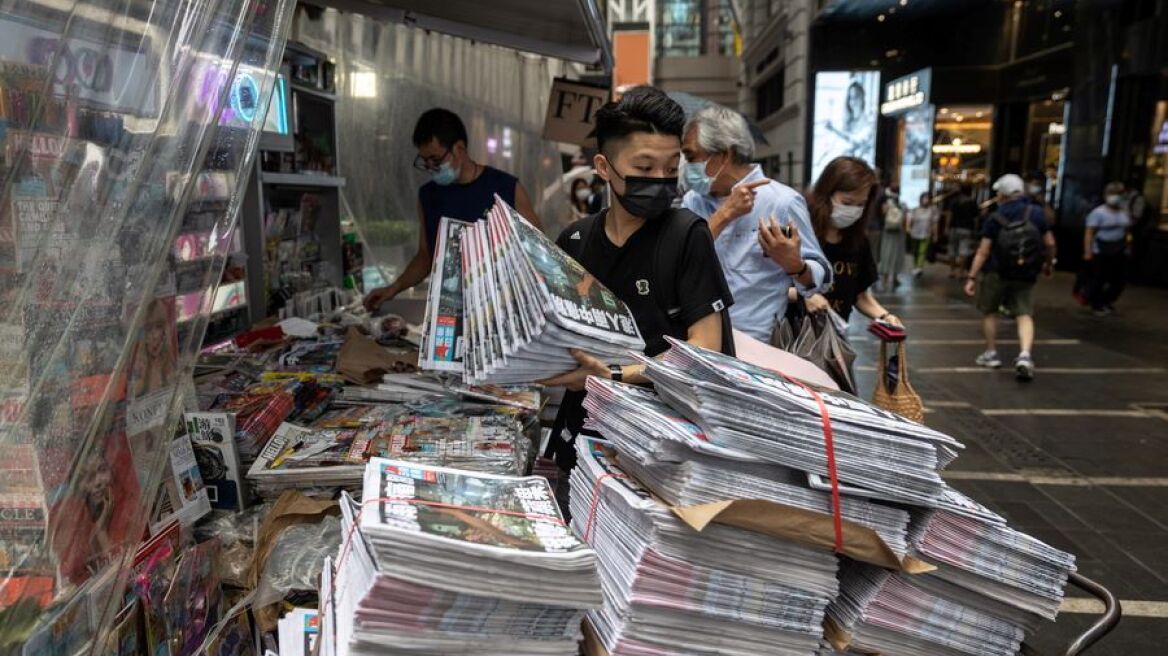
1024, 368
989, 359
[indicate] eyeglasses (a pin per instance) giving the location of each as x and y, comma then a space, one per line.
430, 164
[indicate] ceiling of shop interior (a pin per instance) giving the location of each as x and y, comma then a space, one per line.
859, 10
556, 25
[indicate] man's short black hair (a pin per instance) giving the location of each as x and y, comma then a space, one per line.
441, 124
640, 109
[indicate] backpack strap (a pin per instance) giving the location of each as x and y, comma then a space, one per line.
667, 258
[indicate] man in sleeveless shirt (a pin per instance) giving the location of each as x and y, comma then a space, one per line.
459, 188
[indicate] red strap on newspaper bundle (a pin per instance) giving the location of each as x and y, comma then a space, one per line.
829, 446
596, 503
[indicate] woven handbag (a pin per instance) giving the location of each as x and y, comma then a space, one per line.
902, 399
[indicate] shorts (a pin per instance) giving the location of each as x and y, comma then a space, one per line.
960, 242
1013, 295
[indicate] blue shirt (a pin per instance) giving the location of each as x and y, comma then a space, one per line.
759, 286
1110, 224
466, 202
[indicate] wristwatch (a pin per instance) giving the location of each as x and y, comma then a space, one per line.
616, 372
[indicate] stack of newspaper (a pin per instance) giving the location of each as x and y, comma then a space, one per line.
673, 457
669, 589
992, 586
985, 563
442, 561
506, 305
323, 459
756, 411
887, 612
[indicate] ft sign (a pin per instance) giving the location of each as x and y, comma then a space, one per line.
571, 112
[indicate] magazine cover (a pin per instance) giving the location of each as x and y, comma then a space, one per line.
442, 348
212, 436
485, 510
183, 496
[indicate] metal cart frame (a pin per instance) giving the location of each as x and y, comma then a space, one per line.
1104, 625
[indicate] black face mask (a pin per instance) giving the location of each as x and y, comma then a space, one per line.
646, 198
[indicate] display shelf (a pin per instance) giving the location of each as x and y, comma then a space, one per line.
302, 180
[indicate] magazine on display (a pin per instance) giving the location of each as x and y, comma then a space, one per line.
524, 304
298, 632
213, 436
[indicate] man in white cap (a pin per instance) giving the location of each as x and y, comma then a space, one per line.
1016, 245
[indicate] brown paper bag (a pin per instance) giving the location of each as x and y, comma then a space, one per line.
364, 361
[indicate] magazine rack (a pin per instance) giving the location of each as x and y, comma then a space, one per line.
1104, 625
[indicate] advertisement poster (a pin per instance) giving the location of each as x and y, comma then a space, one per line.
917, 160
846, 104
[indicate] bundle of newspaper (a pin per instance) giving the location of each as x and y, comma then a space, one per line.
506, 304
332, 456
442, 561
756, 411
673, 457
885, 612
985, 563
669, 589
992, 586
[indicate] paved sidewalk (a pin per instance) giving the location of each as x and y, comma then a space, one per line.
1078, 457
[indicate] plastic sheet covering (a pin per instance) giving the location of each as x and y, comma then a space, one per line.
122, 123
387, 75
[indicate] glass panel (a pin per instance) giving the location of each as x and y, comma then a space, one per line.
123, 124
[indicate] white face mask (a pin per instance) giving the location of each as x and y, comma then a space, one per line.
1115, 200
583, 193
843, 216
1036, 189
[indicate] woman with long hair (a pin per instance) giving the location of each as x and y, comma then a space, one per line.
840, 203
578, 198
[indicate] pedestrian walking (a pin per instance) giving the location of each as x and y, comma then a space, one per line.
892, 244
1016, 245
731, 192
1106, 247
922, 229
961, 225
841, 199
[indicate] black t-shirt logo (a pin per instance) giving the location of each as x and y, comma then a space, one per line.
643, 287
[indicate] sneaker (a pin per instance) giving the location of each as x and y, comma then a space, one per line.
1102, 312
989, 359
1024, 368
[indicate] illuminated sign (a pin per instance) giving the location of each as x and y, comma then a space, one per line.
905, 93
957, 148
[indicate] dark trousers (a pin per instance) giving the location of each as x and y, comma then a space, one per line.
1108, 277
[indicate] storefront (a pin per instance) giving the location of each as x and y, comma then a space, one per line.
174, 173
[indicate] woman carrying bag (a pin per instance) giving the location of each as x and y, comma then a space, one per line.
840, 203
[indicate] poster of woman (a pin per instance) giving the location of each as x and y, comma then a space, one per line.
845, 117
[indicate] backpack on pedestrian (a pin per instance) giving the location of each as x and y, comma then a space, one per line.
1018, 251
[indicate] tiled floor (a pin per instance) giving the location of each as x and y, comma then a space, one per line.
1090, 482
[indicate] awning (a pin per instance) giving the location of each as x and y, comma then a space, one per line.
566, 29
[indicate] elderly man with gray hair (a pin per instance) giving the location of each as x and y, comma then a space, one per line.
762, 230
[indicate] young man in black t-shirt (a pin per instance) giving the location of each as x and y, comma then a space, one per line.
639, 139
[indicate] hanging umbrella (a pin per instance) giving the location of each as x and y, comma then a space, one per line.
692, 104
